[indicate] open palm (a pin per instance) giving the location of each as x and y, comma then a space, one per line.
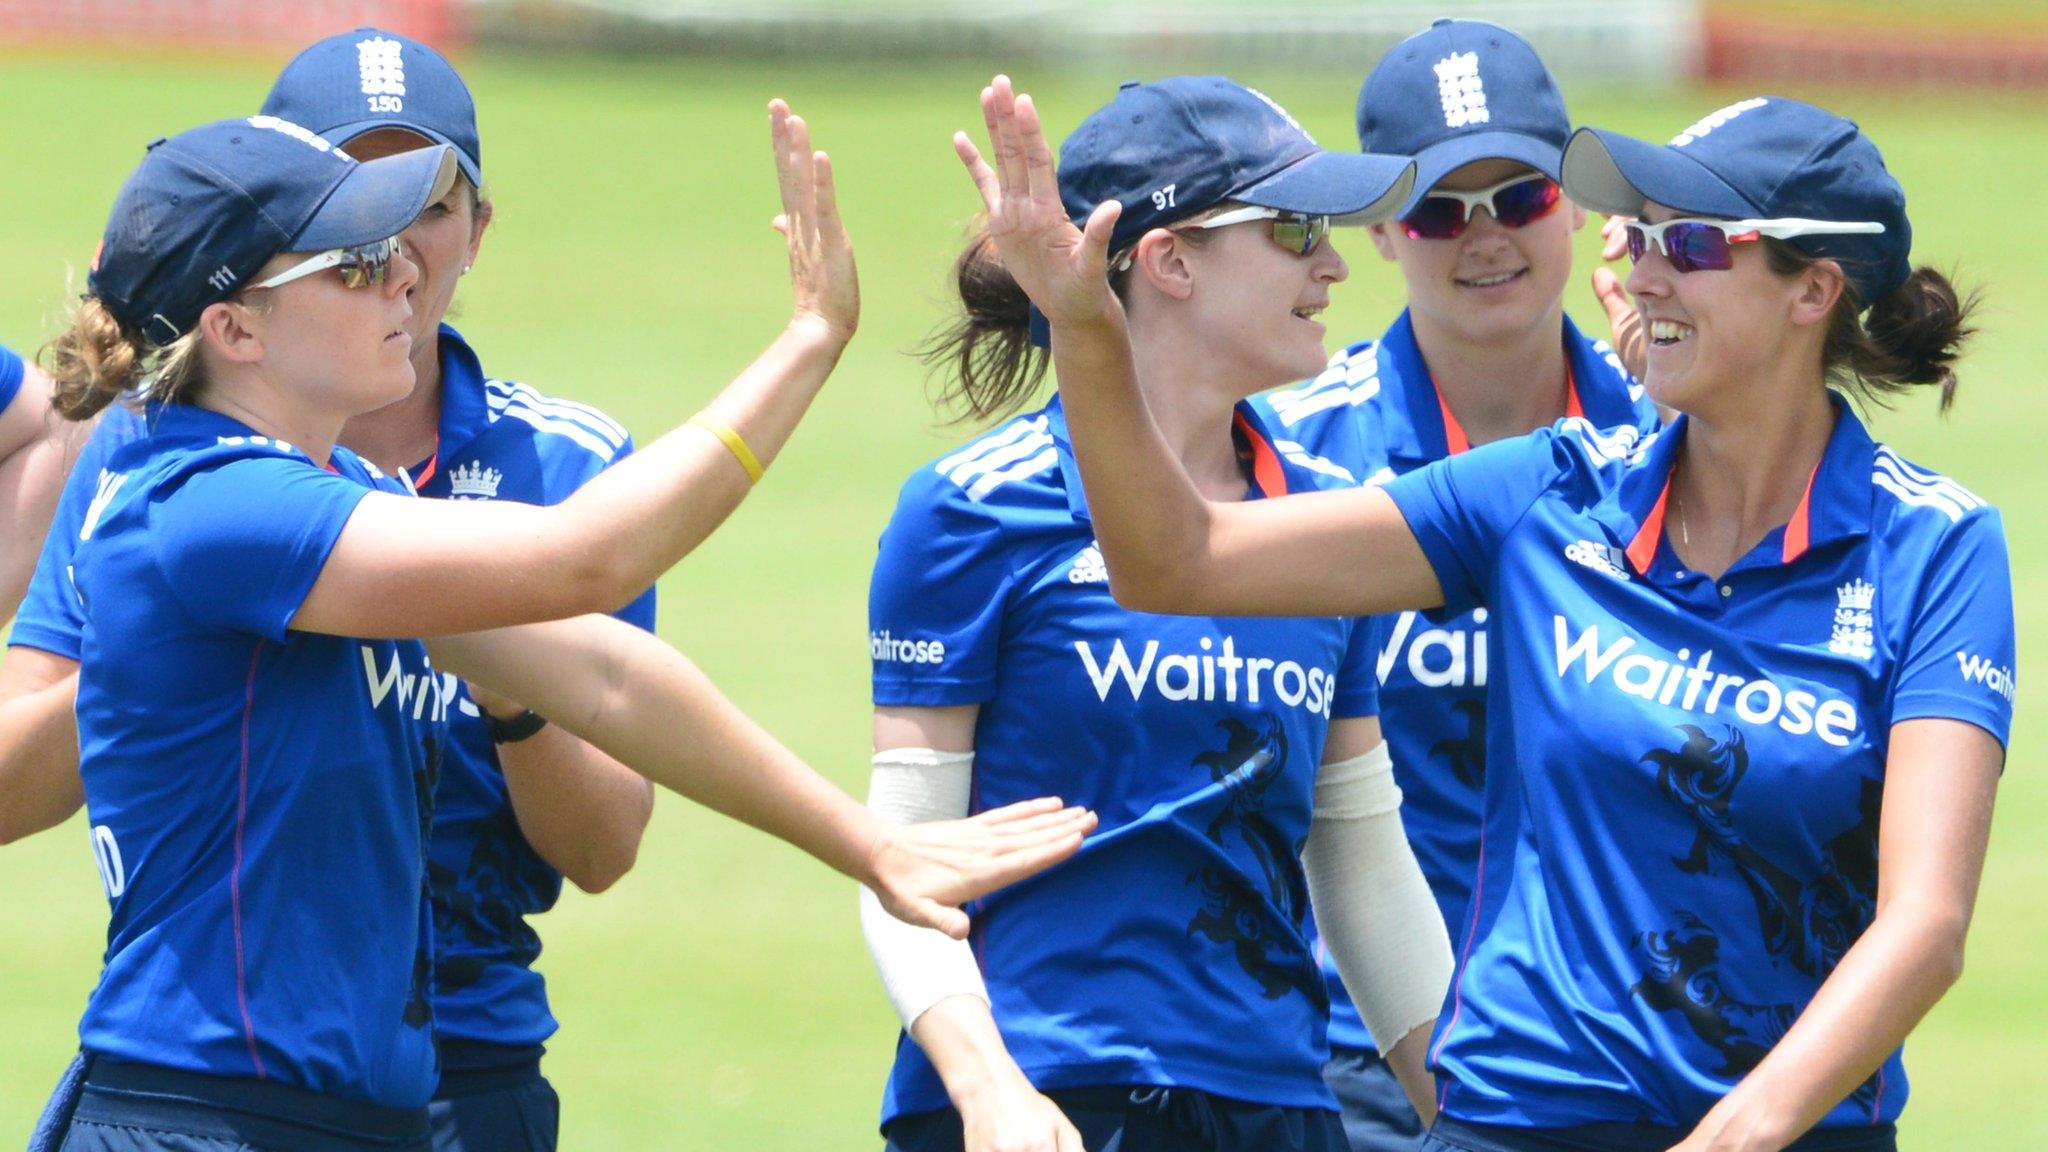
1064, 269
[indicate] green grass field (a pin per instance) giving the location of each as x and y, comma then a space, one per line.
720, 997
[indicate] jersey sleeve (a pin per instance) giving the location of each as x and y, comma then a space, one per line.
241, 544
1358, 686
1461, 507
1957, 662
11, 373
936, 603
640, 613
50, 618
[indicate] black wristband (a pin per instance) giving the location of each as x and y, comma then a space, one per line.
516, 729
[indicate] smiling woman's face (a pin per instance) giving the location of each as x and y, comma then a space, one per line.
1490, 283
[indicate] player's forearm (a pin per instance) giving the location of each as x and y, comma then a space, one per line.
581, 810
1148, 516
649, 707
653, 508
1907, 959
39, 784
959, 1036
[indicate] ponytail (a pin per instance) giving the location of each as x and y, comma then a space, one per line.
1911, 336
991, 367
99, 359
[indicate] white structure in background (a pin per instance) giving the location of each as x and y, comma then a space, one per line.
1637, 41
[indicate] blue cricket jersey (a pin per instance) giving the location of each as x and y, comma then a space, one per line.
11, 372
1172, 950
499, 440
1684, 774
258, 797
1377, 413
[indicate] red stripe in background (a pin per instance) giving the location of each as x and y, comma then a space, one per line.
235, 877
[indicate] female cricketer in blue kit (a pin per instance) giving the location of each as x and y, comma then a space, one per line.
520, 803
258, 741
1737, 802
1159, 992
1483, 351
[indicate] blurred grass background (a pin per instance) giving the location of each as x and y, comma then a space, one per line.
720, 997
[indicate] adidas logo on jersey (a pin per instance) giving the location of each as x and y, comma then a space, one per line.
1088, 567
1692, 685
1603, 558
1208, 676
474, 482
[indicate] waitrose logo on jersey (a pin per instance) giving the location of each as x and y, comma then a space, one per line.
1216, 672
1692, 683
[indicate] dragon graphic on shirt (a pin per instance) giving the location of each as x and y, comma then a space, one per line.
1809, 924
477, 909
419, 1009
1467, 753
1234, 911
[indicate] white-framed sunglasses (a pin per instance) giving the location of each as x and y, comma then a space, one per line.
1694, 244
1514, 202
1293, 231
361, 266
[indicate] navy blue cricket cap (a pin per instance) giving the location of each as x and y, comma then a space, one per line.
207, 208
1460, 91
1762, 158
1178, 147
361, 81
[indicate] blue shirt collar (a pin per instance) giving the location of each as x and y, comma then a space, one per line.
464, 412
1414, 424
1268, 473
1837, 503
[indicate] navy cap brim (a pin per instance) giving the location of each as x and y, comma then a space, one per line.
347, 132
1616, 174
1359, 187
378, 198
1439, 160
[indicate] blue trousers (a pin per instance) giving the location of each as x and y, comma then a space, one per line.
1149, 1119
493, 1098
1449, 1135
1377, 1115
145, 1108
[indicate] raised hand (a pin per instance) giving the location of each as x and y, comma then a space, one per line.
924, 872
1064, 269
821, 269
1622, 317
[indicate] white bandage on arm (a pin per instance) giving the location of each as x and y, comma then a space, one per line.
1372, 905
919, 966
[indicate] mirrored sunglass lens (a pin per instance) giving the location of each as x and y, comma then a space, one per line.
1638, 242
1436, 218
1524, 203
369, 264
1698, 247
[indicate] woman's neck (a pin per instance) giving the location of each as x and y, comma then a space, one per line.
405, 432
1738, 477
1500, 388
1193, 408
272, 412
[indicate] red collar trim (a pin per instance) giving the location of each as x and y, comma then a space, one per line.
1455, 440
1643, 548
1267, 472
1798, 530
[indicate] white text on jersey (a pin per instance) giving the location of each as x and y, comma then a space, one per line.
887, 648
1193, 676
1759, 702
1436, 657
427, 694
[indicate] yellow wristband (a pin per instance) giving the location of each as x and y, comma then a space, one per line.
733, 443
